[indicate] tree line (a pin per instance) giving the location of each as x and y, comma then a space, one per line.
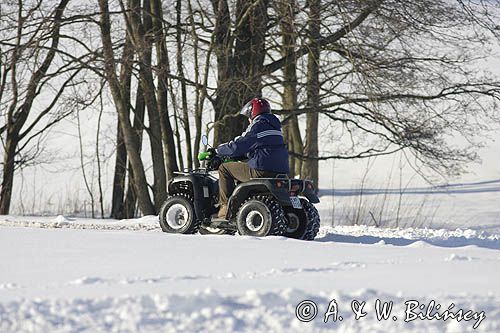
361, 78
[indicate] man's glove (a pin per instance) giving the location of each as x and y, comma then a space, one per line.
214, 163
212, 152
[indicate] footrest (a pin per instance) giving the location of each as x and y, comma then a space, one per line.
222, 224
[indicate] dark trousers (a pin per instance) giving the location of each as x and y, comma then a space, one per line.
240, 171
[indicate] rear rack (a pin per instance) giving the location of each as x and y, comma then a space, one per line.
286, 178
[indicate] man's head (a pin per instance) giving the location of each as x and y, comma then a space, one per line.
255, 107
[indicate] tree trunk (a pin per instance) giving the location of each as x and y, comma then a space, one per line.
180, 73
131, 196
310, 166
129, 138
143, 33
291, 129
130, 203
16, 118
119, 176
197, 106
117, 207
177, 133
164, 70
8, 172
240, 58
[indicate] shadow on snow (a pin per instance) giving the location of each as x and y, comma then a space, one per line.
400, 241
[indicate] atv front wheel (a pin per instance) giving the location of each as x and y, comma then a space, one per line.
177, 216
261, 216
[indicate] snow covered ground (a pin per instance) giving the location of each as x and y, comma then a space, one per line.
473, 205
60, 274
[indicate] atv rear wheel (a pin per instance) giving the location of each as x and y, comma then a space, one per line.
261, 216
177, 216
313, 221
297, 223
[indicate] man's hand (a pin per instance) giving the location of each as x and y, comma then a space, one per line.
212, 152
214, 163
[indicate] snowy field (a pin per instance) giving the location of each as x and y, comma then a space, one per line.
61, 274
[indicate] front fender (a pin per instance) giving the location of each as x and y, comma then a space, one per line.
197, 187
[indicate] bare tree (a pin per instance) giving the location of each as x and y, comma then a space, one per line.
86, 180
129, 137
379, 76
120, 172
180, 73
163, 74
201, 81
30, 31
286, 12
395, 76
142, 32
130, 203
239, 46
145, 56
310, 166
379, 58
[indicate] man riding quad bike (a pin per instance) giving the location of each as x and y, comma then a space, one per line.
265, 201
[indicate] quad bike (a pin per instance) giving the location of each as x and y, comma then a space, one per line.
259, 207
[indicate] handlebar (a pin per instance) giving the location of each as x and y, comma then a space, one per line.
204, 156
214, 160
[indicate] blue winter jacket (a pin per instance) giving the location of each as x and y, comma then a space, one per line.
262, 143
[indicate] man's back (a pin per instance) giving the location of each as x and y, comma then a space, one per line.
262, 143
